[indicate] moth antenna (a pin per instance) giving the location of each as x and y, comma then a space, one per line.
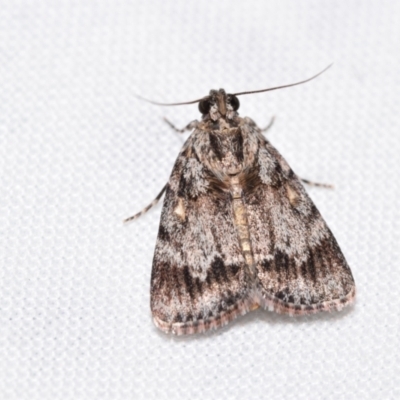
284, 86
168, 104
234, 94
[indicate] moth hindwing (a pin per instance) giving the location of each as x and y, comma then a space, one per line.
238, 231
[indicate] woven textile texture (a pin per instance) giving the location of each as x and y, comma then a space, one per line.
79, 153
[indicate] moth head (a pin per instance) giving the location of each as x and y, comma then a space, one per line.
219, 104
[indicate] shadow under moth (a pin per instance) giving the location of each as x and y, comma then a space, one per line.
238, 230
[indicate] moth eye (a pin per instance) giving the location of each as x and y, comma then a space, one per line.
204, 106
234, 102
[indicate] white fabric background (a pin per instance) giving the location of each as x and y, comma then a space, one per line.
79, 153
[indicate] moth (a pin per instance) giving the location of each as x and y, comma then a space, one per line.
238, 230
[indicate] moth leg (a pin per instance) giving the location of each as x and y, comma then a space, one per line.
271, 122
316, 184
152, 204
188, 127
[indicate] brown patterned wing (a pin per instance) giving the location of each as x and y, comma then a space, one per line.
198, 278
301, 268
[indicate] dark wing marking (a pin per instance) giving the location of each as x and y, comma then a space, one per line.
198, 278
301, 268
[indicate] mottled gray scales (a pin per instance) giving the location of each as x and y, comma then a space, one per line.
238, 230
198, 270
298, 259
